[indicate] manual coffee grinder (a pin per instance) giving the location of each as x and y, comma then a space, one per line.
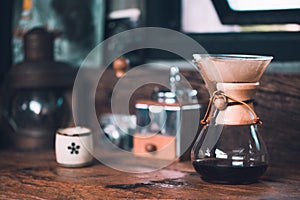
229, 149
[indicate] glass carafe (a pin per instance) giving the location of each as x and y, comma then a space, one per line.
229, 149
237, 155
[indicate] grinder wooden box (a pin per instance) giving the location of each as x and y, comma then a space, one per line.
175, 134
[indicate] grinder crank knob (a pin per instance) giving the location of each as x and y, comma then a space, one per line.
150, 148
120, 66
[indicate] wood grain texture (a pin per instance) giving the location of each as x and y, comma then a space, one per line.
37, 176
278, 105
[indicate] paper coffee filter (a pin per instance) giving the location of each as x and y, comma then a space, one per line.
229, 68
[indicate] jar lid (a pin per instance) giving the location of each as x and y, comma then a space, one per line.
164, 96
74, 131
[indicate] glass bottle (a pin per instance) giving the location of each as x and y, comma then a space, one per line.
28, 20
229, 148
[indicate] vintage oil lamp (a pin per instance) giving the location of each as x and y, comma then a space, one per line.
229, 148
38, 85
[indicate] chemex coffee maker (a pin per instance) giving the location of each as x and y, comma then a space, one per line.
229, 149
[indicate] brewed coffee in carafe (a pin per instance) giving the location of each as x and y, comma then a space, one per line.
229, 148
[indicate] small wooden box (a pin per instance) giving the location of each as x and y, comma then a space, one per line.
154, 146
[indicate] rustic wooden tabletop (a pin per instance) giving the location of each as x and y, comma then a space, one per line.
36, 175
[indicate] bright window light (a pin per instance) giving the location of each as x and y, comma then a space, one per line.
252, 5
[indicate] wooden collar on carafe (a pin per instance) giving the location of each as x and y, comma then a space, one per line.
220, 101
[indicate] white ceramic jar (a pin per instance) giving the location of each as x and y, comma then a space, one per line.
74, 146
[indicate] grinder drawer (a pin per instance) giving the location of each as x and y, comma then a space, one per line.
154, 146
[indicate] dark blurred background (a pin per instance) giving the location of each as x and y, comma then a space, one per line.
220, 26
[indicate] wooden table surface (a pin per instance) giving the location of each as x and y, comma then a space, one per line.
36, 175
